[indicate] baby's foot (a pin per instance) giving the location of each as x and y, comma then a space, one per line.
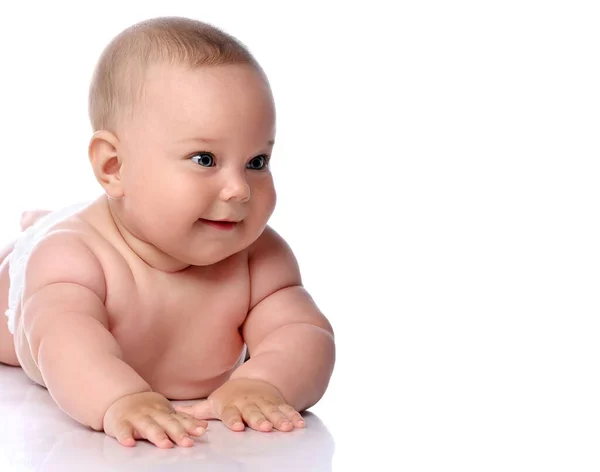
28, 218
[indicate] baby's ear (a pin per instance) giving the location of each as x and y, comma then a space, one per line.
106, 163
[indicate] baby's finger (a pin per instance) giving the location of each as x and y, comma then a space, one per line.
175, 430
124, 434
153, 432
192, 425
292, 415
276, 416
232, 418
255, 418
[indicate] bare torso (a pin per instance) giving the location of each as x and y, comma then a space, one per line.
180, 331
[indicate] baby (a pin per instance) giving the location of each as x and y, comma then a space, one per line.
154, 291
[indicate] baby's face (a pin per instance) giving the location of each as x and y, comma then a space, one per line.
196, 154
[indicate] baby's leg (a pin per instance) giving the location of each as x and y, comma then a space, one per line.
7, 345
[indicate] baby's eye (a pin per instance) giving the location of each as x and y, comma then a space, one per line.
258, 162
205, 159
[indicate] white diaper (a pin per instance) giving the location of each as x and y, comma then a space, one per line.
20, 254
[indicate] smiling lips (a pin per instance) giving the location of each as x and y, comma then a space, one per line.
221, 225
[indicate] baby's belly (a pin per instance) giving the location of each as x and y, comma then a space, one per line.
182, 374
189, 389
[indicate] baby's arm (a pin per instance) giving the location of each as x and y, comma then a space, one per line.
66, 324
290, 341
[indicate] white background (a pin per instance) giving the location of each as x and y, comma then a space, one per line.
437, 168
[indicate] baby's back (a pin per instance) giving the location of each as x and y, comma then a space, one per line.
179, 331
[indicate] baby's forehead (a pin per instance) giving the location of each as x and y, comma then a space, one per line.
226, 86
221, 100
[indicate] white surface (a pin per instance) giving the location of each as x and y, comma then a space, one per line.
428, 414
37, 436
438, 173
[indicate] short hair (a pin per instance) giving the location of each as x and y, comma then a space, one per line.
117, 82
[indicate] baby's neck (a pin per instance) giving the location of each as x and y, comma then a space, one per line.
149, 254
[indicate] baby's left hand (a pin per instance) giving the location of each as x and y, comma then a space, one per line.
255, 402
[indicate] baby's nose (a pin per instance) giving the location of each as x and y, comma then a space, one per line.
236, 188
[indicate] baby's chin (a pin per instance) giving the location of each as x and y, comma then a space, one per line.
204, 248
209, 256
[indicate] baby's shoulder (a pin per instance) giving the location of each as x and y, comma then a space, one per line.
272, 265
271, 250
62, 247
65, 253
72, 230
270, 241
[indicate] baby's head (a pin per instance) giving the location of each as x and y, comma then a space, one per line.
184, 125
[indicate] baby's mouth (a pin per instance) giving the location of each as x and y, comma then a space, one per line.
223, 225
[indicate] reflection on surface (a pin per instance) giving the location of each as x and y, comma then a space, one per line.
36, 435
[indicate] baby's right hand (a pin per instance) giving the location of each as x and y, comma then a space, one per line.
150, 416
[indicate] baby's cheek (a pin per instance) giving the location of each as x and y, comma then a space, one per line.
266, 202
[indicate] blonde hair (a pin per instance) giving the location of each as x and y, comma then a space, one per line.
117, 83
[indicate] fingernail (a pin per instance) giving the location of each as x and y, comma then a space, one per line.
200, 429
